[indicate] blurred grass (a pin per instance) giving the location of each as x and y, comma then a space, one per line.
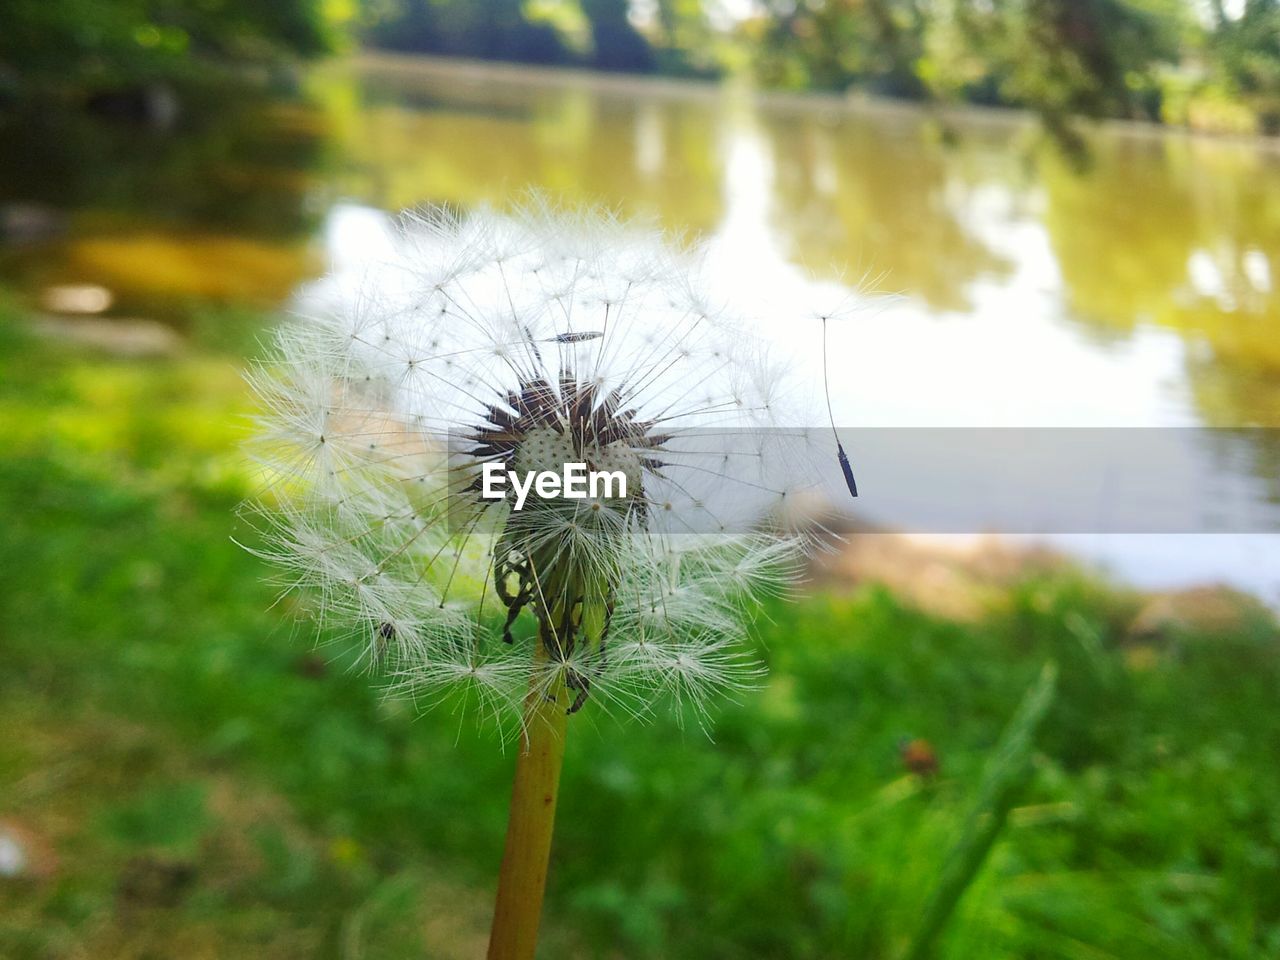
213, 788
1005, 775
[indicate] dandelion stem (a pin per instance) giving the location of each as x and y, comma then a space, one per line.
523, 878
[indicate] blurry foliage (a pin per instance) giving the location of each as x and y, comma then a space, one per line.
831, 45
616, 44
593, 33
490, 29
1208, 64
1005, 775
685, 42
1180, 60
1061, 58
216, 790
1245, 52
596, 33
105, 42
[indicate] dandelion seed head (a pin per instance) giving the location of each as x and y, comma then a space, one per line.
528, 341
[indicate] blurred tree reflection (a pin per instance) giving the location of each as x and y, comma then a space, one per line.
239, 159
879, 195
216, 206
1183, 235
646, 156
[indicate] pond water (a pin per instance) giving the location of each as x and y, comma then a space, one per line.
999, 285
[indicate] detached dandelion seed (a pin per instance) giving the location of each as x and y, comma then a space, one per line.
529, 342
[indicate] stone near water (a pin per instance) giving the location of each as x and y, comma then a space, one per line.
86, 298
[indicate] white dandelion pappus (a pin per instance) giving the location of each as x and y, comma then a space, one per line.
529, 341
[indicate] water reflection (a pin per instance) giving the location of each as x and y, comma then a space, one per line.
1180, 233
411, 136
881, 195
214, 208
1143, 292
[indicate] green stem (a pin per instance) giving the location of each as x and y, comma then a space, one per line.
523, 878
1006, 772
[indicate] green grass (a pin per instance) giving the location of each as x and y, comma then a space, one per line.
213, 788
